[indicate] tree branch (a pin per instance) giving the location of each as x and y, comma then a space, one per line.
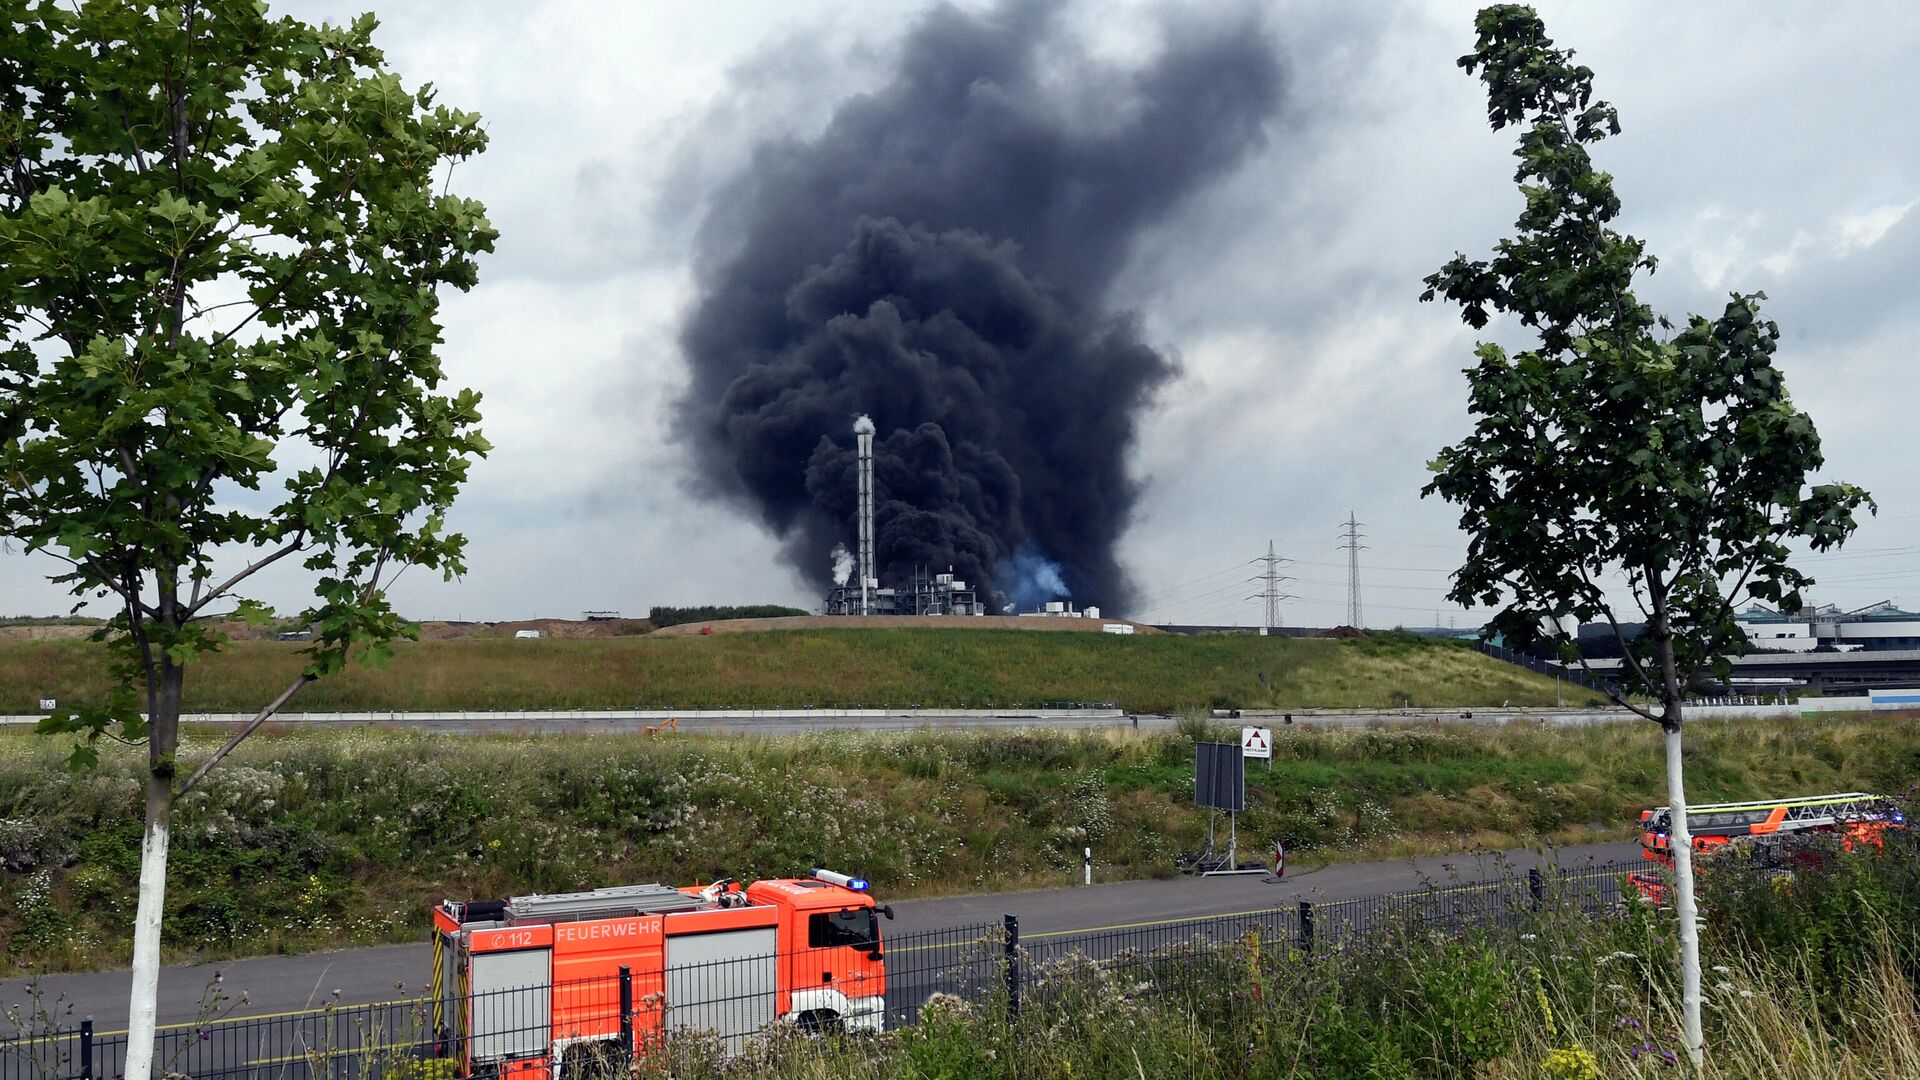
1627, 659
251, 726
346, 192
299, 541
274, 706
103, 575
1612, 695
1726, 607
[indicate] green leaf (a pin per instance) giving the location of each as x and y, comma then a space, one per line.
134, 431
1607, 453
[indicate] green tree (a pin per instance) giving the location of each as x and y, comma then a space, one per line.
221, 236
1623, 455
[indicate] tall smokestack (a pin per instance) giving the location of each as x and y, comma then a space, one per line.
863, 435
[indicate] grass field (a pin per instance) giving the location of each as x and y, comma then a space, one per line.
315, 840
932, 668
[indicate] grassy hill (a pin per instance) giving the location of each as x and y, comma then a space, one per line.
931, 668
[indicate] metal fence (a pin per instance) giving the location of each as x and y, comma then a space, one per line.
1574, 675
344, 1041
728, 1001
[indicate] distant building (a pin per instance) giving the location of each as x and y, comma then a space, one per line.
1061, 609
925, 594
1873, 628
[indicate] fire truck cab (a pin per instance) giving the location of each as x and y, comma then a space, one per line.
527, 984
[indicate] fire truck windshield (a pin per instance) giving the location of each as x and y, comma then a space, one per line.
834, 929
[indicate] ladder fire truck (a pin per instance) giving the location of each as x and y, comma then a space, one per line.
524, 985
1769, 824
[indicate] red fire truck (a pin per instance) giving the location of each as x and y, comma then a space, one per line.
525, 984
1770, 825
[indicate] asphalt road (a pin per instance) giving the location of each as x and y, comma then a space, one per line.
276, 985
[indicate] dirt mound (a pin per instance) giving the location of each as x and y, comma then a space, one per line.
554, 628
45, 631
1342, 632
429, 631
897, 622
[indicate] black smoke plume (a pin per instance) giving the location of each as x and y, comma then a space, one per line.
938, 258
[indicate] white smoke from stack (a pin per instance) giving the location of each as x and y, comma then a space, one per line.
864, 425
842, 564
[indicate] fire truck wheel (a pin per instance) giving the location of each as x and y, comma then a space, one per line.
818, 1022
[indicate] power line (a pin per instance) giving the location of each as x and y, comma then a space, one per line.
1272, 579
1198, 589
1353, 547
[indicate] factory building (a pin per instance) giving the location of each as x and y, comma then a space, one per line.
1061, 609
1873, 628
925, 594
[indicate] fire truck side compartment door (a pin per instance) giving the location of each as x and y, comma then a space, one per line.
511, 1003
722, 981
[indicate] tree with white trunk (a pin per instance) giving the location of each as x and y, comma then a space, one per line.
221, 240
1623, 459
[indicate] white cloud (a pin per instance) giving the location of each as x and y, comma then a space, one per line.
1865, 229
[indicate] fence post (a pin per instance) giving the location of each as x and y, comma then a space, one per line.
86, 1048
626, 1014
1306, 927
1012, 923
1536, 887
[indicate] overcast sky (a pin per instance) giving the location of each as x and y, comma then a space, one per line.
1770, 148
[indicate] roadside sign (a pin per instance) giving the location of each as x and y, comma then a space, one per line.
47, 704
1256, 742
1219, 777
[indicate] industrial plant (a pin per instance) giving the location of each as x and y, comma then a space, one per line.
926, 592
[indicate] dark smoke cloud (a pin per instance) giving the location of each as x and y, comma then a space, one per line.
938, 259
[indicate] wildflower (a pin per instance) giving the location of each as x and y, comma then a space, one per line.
1529, 937
1572, 1063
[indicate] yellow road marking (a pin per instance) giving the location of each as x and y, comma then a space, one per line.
1116, 926
327, 1055
272, 1016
